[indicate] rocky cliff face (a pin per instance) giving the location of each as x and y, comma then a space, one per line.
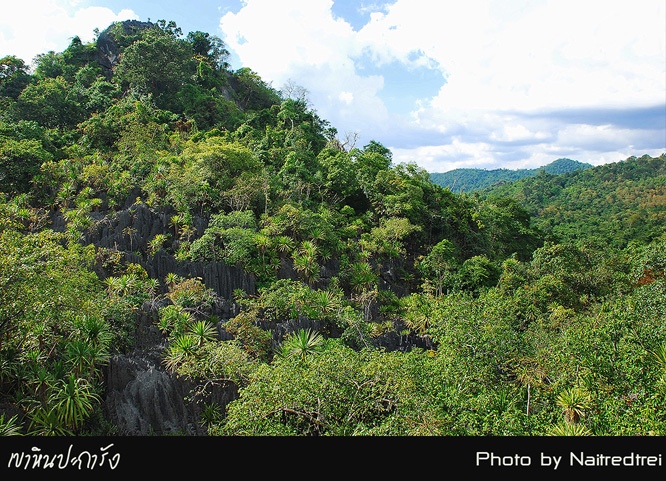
143, 398
108, 50
129, 231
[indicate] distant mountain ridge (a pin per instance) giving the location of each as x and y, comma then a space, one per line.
612, 204
469, 180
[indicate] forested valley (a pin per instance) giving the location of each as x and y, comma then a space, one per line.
155, 202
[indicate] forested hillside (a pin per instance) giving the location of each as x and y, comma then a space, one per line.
167, 219
613, 204
472, 180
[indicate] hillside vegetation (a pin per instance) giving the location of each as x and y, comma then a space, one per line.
473, 180
145, 150
613, 204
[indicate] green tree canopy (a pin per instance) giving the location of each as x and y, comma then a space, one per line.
14, 76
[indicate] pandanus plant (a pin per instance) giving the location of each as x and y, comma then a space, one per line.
305, 261
202, 332
574, 402
181, 347
301, 344
73, 401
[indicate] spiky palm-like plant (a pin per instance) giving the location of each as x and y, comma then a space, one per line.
10, 427
301, 344
174, 221
325, 302
211, 413
156, 243
569, 429
417, 312
74, 401
172, 279
152, 287
127, 284
41, 380
112, 284
284, 244
263, 243
182, 347
91, 348
308, 267
202, 331
94, 329
45, 422
79, 354
308, 248
362, 276
574, 402
174, 320
316, 234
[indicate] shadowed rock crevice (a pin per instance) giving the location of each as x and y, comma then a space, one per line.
129, 232
144, 398
108, 50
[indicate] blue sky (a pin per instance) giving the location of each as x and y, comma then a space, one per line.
442, 83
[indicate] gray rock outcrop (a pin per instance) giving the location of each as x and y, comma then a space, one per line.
129, 232
143, 398
108, 50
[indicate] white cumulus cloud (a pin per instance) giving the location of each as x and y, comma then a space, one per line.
32, 27
504, 64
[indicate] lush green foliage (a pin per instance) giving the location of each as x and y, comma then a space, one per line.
53, 332
472, 180
338, 392
541, 301
612, 204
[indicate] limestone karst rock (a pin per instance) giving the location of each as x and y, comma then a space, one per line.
108, 50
